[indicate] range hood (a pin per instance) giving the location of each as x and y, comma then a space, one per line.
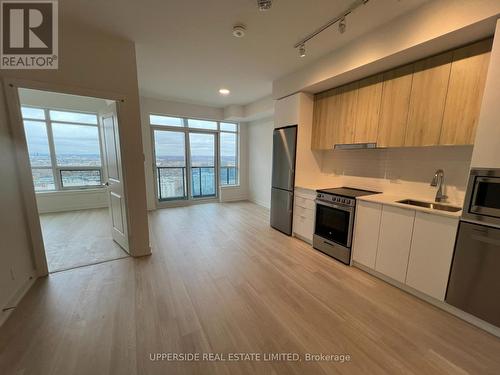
354, 146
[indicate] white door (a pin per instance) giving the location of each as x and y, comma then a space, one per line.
114, 175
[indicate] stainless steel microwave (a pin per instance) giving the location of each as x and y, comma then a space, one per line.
482, 199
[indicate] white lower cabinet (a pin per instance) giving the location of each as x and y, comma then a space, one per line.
409, 246
366, 231
303, 215
431, 254
396, 227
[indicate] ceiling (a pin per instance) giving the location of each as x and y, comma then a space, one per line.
186, 52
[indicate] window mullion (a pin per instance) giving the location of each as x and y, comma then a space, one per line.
52, 149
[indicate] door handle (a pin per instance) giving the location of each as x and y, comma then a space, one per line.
105, 184
290, 177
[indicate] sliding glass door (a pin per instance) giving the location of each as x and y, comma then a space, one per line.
185, 164
202, 153
170, 154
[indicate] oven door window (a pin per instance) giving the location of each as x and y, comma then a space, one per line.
486, 199
332, 224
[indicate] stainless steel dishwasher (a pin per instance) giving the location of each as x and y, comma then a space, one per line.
474, 284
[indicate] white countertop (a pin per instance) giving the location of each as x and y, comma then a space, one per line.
392, 200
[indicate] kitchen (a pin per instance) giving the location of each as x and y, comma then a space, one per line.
392, 179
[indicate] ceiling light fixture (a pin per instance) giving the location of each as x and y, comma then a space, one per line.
224, 92
264, 5
342, 25
302, 50
341, 19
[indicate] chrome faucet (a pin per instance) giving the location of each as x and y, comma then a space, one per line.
439, 176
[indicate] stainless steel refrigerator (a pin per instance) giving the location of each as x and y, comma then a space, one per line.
283, 178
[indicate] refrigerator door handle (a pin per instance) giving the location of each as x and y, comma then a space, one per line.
290, 178
289, 204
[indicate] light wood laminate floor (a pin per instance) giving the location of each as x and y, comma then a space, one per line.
221, 280
78, 238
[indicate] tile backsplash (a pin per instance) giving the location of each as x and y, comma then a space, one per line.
401, 171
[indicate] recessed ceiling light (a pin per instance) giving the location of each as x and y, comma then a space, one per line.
224, 92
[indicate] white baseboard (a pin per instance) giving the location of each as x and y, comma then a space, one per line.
490, 328
260, 203
71, 200
15, 299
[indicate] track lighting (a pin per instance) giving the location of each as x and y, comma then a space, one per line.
339, 19
302, 50
342, 25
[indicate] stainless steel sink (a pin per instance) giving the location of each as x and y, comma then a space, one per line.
432, 206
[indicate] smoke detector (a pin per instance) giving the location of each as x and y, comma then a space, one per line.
264, 4
239, 31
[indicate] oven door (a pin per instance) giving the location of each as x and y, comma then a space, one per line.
486, 197
334, 222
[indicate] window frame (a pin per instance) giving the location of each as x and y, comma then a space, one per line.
186, 129
56, 169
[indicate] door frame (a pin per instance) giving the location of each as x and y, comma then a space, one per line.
189, 200
23, 166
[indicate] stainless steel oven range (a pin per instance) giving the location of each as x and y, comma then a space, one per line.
334, 223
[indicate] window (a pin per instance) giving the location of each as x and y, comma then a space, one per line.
64, 148
165, 120
228, 158
188, 162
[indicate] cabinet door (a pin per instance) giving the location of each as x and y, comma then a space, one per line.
319, 136
431, 254
326, 116
368, 109
344, 114
465, 93
366, 231
394, 106
303, 223
427, 100
396, 226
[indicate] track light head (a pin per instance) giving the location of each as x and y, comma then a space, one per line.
302, 50
342, 25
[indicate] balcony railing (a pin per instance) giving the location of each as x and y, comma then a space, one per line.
228, 175
202, 182
171, 183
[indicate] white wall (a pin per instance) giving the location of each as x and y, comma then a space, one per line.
260, 149
400, 171
487, 144
16, 264
89, 62
71, 200
172, 108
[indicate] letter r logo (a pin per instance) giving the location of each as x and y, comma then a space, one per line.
27, 28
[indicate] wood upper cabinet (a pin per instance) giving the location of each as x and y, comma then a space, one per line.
434, 101
321, 131
367, 109
394, 106
427, 100
465, 92
344, 114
